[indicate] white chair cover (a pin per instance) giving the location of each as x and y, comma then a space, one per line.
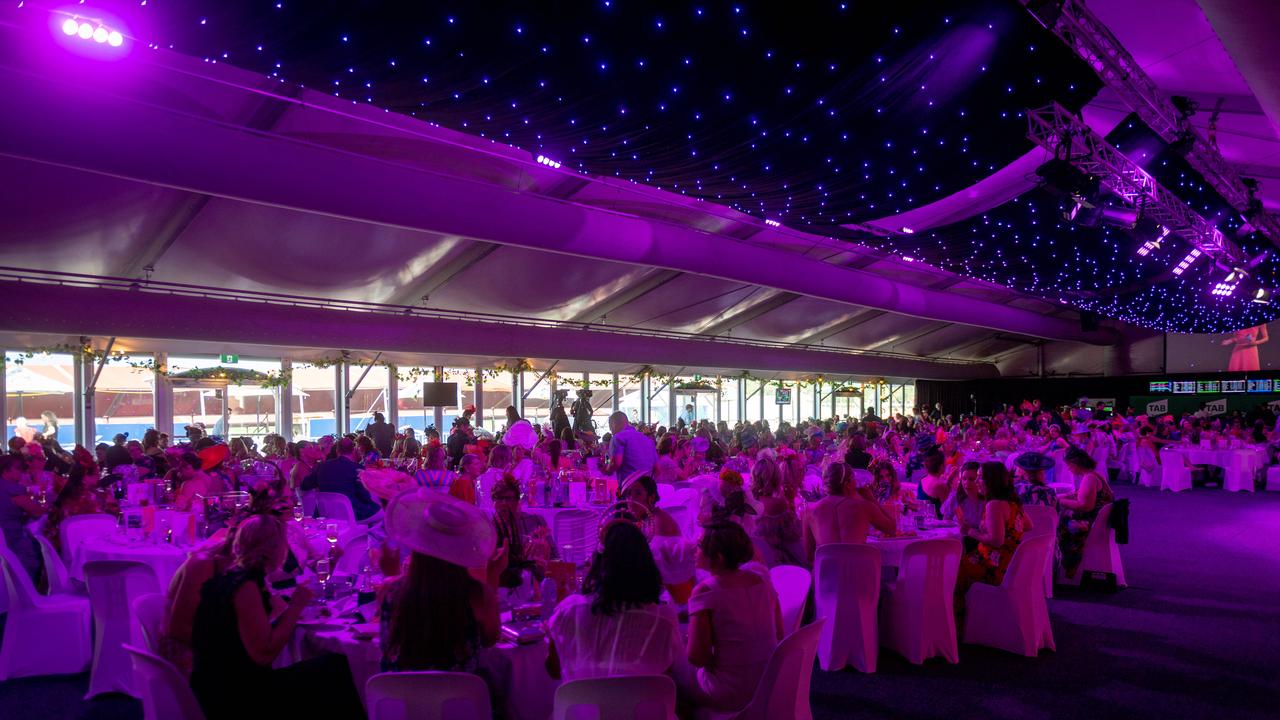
1239, 471
1101, 553
639, 697
1148, 468
847, 578
1013, 615
917, 620
75, 529
42, 635
308, 498
575, 532
1175, 475
1273, 478
427, 696
149, 611
334, 506
112, 586
1128, 462
1044, 521
783, 692
683, 516
676, 558
164, 691
792, 585
59, 579
354, 548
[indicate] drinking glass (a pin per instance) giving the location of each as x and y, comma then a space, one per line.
323, 572
331, 534
297, 512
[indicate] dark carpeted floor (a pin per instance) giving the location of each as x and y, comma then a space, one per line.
1195, 635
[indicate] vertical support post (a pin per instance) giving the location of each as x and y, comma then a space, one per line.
517, 392
673, 412
617, 401
644, 399
82, 399
393, 396
341, 410
437, 412
162, 394
226, 413
742, 400
479, 401
4, 392
719, 398
284, 401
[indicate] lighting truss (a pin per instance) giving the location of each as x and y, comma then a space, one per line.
1072, 22
1058, 131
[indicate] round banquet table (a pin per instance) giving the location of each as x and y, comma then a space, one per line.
163, 558
519, 670
1240, 465
891, 548
549, 514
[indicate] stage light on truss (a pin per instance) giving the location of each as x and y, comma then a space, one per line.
1187, 261
908, 231
544, 160
1147, 247
772, 223
1224, 289
1262, 296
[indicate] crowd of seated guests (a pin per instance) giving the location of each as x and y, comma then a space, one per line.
460, 537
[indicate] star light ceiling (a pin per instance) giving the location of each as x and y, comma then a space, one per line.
1029, 245
809, 115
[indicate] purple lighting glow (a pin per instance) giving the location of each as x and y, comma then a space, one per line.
80, 34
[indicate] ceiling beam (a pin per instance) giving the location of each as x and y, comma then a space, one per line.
847, 324
418, 290
634, 290
929, 329
743, 313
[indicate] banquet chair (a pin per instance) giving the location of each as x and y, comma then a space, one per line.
1044, 521
75, 529
1273, 479
917, 619
783, 691
149, 611
59, 579
792, 583
334, 506
164, 691
355, 546
1148, 467
427, 696
847, 590
683, 516
665, 490
574, 531
112, 585
42, 635
636, 697
1101, 552
308, 499
1013, 615
1174, 473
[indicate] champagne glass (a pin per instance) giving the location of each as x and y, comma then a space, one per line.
331, 534
297, 512
324, 570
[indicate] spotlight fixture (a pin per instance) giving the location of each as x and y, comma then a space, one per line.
772, 223
907, 231
544, 160
1154, 244
91, 30
1187, 261
1224, 289
1262, 296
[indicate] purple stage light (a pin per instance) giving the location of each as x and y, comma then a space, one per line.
908, 231
82, 34
70, 26
544, 160
772, 223
1224, 289
1187, 261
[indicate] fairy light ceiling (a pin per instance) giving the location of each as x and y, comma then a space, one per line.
811, 115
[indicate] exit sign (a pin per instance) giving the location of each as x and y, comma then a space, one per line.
229, 359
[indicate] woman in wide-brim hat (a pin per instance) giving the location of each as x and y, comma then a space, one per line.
444, 608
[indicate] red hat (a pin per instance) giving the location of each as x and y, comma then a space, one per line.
213, 456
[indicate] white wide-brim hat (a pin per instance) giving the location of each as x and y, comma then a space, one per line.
520, 434
441, 526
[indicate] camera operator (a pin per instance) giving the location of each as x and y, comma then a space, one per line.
559, 419
582, 412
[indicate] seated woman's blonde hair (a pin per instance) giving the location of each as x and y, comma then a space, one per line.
258, 542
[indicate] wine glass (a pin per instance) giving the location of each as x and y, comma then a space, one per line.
324, 570
297, 512
331, 534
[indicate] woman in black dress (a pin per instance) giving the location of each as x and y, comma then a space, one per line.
235, 641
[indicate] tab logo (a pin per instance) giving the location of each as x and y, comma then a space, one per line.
1217, 407
1160, 407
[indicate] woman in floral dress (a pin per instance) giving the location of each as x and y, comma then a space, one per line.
1003, 524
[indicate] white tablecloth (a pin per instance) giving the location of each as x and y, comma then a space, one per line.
162, 558
891, 548
519, 669
1240, 466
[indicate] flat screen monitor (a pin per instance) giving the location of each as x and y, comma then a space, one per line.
439, 394
1233, 386
1259, 386
782, 396
1184, 387
1208, 386
1159, 386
